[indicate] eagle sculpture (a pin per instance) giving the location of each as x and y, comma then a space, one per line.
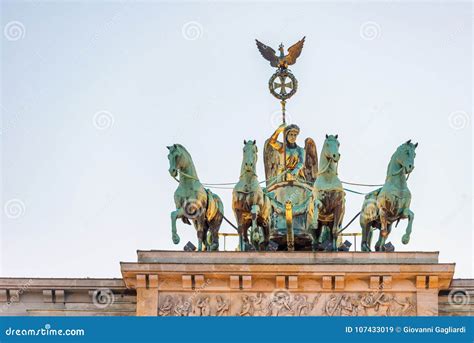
282, 61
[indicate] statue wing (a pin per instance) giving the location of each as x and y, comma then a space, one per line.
294, 52
311, 160
268, 53
271, 159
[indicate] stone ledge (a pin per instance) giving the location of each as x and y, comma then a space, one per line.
60, 283
284, 257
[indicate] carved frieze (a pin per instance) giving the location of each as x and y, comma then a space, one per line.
287, 303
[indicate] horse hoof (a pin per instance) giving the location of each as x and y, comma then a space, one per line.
365, 247
405, 239
175, 238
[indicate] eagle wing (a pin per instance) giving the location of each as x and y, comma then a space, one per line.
311, 160
272, 160
294, 52
268, 53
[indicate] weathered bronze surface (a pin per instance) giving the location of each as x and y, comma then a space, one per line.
287, 161
282, 61
251, 206
194, 202
389, 204
282, 84
290, 172
278, 84
303, 204
329, 204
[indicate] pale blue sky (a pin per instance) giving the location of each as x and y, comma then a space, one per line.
377, 74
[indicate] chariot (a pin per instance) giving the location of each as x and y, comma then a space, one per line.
303, 203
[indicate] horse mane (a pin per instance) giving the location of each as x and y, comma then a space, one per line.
181, 147
187, 156
400, 149
322, 158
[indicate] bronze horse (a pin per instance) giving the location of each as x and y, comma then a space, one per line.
329, 204
390, 203
194, 202
251, 206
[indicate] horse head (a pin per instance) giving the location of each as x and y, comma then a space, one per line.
249, 162
405, 156
179, 159
331, 148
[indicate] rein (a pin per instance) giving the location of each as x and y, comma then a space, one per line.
327, 166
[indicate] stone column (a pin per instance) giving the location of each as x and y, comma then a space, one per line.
147, 295
427, 290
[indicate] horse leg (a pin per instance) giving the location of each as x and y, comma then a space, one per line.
238, 217
214, 227
408, 213
379, 242
364, 246
315, 227
334, 236
245, 228
266, 233
179, 213
366, 229
370, 235
200, 232
200, 238
383, 237
215, 240
335, 227
383, 231
389, 229
205, 239
241, 237
255, 233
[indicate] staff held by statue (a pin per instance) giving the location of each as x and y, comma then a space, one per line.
282, 84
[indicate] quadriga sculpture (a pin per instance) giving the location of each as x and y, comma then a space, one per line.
251, 206
194, 202
390, 203
329, 204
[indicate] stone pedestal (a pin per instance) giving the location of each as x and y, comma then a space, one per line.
177, 283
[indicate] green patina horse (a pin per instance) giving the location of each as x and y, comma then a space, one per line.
329, 204
194, 202
251, 206
390, 203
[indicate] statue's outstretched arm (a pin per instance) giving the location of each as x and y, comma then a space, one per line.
273, 141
